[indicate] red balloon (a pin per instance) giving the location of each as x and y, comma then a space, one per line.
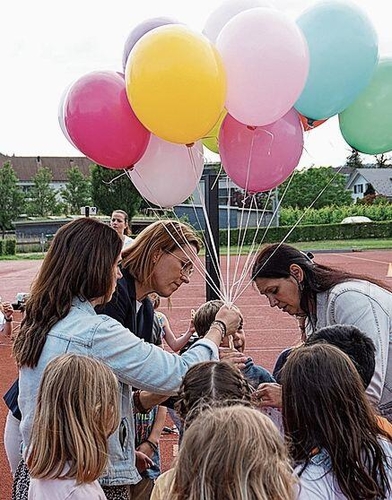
101, 122
309, 124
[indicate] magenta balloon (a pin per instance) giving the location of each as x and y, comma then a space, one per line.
101, 123
260, 158
140, 30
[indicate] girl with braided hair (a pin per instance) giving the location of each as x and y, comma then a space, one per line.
207, 384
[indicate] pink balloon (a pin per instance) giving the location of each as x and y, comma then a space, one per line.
267, 61
260, 158
168, 173
101, 122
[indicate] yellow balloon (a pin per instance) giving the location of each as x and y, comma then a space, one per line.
211, 140
176, 83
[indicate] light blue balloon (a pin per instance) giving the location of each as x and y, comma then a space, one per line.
343, 48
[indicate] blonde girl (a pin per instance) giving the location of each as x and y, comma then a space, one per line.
77, 410
235, 453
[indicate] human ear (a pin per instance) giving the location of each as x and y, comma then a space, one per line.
297, 272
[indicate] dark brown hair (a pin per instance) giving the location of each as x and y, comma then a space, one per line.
325, 408
210, 383
79, 263
274, 261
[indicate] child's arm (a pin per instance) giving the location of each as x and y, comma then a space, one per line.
176, 343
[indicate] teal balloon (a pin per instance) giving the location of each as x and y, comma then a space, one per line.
366, 125
343, 48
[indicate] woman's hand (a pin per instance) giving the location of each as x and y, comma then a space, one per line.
8, 310
232, 356
143, 462
231, 317
268, 394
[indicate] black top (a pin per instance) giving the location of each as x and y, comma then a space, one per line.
122, 307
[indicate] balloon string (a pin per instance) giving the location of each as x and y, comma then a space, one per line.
115, 178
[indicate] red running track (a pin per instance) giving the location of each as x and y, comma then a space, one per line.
268, 330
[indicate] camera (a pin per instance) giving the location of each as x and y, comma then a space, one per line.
20, 301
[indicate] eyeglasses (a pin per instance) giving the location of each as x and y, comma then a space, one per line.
187, 269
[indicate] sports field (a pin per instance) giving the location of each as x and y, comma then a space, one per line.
268, 330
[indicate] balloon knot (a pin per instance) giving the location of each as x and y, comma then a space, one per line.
189, 145
251, 127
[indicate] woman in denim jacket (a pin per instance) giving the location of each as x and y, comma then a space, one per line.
79, 272
321, 296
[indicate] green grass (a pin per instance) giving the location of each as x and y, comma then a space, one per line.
24, 256
331, 245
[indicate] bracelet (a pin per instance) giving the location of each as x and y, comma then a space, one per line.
137, 403
220, 326
8, 320
152, 445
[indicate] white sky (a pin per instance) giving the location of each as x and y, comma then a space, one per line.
45, 45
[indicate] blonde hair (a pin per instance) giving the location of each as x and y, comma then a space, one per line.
235, 453
77, 410
161, 236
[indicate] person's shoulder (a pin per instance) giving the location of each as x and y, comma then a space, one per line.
87, 491
162, 485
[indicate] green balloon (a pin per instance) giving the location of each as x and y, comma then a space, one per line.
366, 125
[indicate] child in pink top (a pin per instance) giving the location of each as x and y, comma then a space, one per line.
77, 410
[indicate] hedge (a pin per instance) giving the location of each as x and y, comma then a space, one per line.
310, 233
8, 246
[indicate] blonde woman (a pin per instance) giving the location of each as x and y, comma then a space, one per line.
77, 410
233, 452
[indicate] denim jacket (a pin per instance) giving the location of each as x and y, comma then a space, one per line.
369, 308
135, 363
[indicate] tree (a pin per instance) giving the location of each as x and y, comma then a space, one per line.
354, 160
382, 161
11, 197
306, 185
42, 197
113, 190
76, 193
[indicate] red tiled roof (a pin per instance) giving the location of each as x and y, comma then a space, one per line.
26, 166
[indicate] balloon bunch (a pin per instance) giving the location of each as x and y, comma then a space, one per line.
247, 88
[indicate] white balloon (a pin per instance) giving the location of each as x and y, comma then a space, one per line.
60, 114
228, 9
168, 173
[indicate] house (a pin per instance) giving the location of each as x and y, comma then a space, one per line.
26, 167
370, 181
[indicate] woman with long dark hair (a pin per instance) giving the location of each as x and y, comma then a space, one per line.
332, 431
321, 296
79, 272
